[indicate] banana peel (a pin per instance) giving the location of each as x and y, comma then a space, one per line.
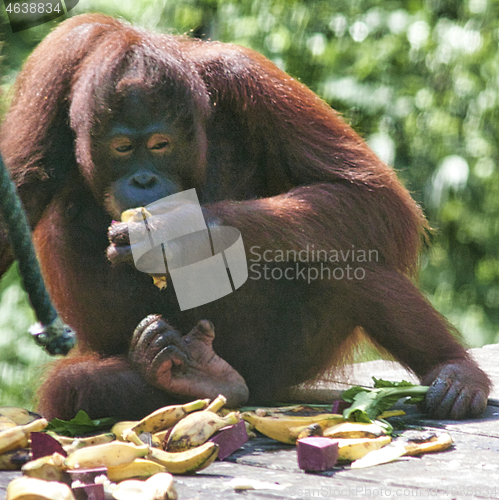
159, 486
20, 416
123, 426
188, 461
217, 404
286, 429
15, 459
49, 468
161, 435
30, 488
6, 423
168, 416
435, 443
353, 430
196, 428
18, 437
438, 442
388, 453
314, 430
353, 449
73, 444
140, 468
290, 410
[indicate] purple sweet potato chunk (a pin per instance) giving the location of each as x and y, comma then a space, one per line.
89, 492
230, 439
339, 406
42, 445
316, 454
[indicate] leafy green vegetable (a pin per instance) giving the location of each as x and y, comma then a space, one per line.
80, 425
368, 404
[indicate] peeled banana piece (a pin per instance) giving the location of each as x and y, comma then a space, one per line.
108, 455
30, 488
138, 215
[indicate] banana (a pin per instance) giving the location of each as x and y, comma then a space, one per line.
353, 430
342, 430
49, 468
163, 486
197, 428
131, 489
184, 462
286, 429
392, 413
168, 416
64, 440
78, 443
108, 455
138, 215
217, 403
6, 423
20, 416
30, 488
140, 468
159, 486
388, 453
289, 411
17, 437
438, 442
14, 459
310, 430
402, 447
119, 427
160, 436
353, 449
106, 437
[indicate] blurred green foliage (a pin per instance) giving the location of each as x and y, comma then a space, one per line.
417, 78
20, 358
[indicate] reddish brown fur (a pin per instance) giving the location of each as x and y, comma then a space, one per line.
273, 160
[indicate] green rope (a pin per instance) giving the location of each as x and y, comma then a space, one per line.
50, 332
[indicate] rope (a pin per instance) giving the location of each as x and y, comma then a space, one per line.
50, 332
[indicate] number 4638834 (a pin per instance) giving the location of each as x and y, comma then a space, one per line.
33, 8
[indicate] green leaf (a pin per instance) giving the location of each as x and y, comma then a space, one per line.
80, 425
379, 382
368, 404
